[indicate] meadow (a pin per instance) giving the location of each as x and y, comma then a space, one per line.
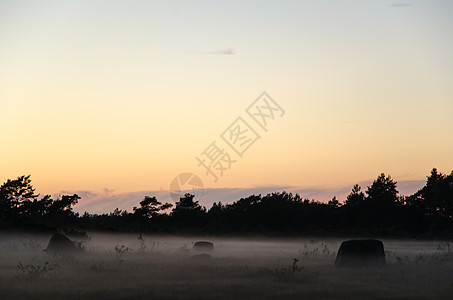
129, 266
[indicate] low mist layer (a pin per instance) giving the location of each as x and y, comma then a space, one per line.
148, 267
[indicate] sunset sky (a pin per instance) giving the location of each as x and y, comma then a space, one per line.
115, 97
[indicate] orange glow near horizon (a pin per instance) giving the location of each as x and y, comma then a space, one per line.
108, 95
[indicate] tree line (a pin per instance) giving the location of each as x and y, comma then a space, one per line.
379, 210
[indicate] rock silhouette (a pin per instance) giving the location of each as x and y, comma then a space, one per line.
203, 246
60, 244
360, 253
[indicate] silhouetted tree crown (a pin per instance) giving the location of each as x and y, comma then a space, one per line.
14, 193
20, 205
378, 211
435, 199
356, 197
383, 191
187, 204
150, 207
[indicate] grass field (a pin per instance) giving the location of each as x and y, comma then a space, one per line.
125, 267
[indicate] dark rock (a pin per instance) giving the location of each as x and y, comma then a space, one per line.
360, 253
203, 246
60, 244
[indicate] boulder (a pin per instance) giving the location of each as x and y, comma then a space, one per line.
203, 246
360, 253
60, 244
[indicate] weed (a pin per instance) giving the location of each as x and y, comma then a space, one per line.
36, 270
120, 251
444, 247
154, 245
294, 268
325, 249
304, 252
288, 273
142, 243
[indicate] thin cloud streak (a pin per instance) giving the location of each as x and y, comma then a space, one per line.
226, 51
88, 197
104, 203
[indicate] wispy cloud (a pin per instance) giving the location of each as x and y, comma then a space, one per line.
226, 51
107, 203
88, 197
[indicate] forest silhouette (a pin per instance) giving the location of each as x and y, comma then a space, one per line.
380, 210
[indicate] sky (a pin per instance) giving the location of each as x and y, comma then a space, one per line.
113, 98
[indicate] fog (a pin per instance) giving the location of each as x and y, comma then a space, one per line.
125, 266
